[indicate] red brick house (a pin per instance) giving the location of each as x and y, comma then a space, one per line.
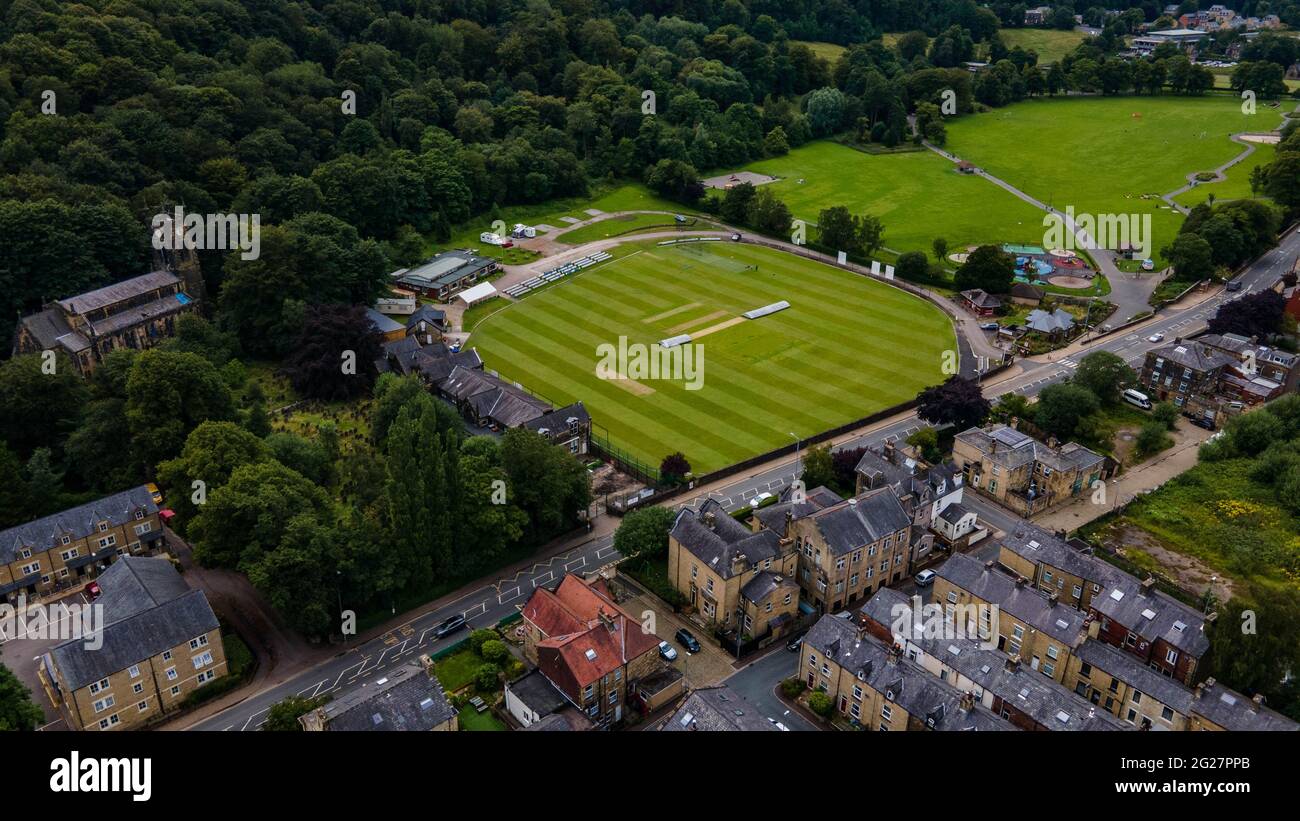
588, 646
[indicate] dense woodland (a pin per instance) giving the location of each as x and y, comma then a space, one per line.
110, 109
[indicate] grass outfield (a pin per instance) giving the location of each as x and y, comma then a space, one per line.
1236, 186
918, 196
847, 347
1095, 155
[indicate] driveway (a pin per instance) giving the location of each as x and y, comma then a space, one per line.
703, 669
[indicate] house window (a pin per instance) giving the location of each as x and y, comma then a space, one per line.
69, 555
198, 642
171, 673
1171, 656
66, 540
886, 712
695, 572
99, 686
105, 723
103, 704
853, 580
176, 691
133, 671
613, 697
1047, 576
103, 527
1137, 697
29, 569
952, 596
857, 556
767, 608
167, 655
137, 688
857, 692
1167, 714
855, 711
839, 563
208, 675
1078, 591
107, 541
140, 530
787, 598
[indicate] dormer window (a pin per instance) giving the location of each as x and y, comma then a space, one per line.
139, 514
103, 527
65, 540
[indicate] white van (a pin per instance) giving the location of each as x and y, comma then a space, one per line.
1137, 398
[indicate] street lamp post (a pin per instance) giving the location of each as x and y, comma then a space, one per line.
797, 443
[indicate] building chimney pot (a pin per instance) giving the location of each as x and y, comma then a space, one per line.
1013, 663
1258, 701
1148, 584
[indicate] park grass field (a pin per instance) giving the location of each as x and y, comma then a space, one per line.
1051, 44
917, 195
830, 52
617, 226
1095, 155
847, 347
1237, 184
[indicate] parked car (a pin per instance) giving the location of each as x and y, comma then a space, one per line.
1202, 422
759, 499
1234, 285
795, 644
1156, 337
735, 237
449, 626
925, 578
666, 651
685, 639
988, 326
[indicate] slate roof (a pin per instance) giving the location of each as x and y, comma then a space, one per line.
406, 699
772, 517
112, 294
558, 419
1192, 355
51, 330
1010, 448
981, 299
493, 398
1025, 603
1129, 669
383, 323
720, 545
1152, 615
428, 314
954, 513
1240, 345
924, 696
762, 585
1045, 322
717, 709
861, 521
1040, 546
1233, 711
146, 611
76, 522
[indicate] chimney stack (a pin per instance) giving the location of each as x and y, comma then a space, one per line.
988, 565
1013, 663
708, 519
1148, 584
1053, 598
1258, 701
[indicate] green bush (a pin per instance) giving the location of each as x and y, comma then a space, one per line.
821, 704
239, 659
793, 687
487, 677
494, 651
515, 669
1152, 438
479, 637
1166, 413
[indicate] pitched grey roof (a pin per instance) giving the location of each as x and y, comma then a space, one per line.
558, 419
1043, 547
426, 313
1045, 322
773, 516
1012, 449
719, 541
446, 268
954, 513
493, 398
383, 323
117, 292
51, 330
1233, 711
537, 692
406, 699
717, 709
1152, 614
76, 522
763, 584
982, 298
922, 695
1129, 669
1061, 622
861, 521
567, 720
1193, 355
145, 613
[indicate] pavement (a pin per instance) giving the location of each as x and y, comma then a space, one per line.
358, 666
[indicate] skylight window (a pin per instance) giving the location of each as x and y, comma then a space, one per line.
1148, 613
